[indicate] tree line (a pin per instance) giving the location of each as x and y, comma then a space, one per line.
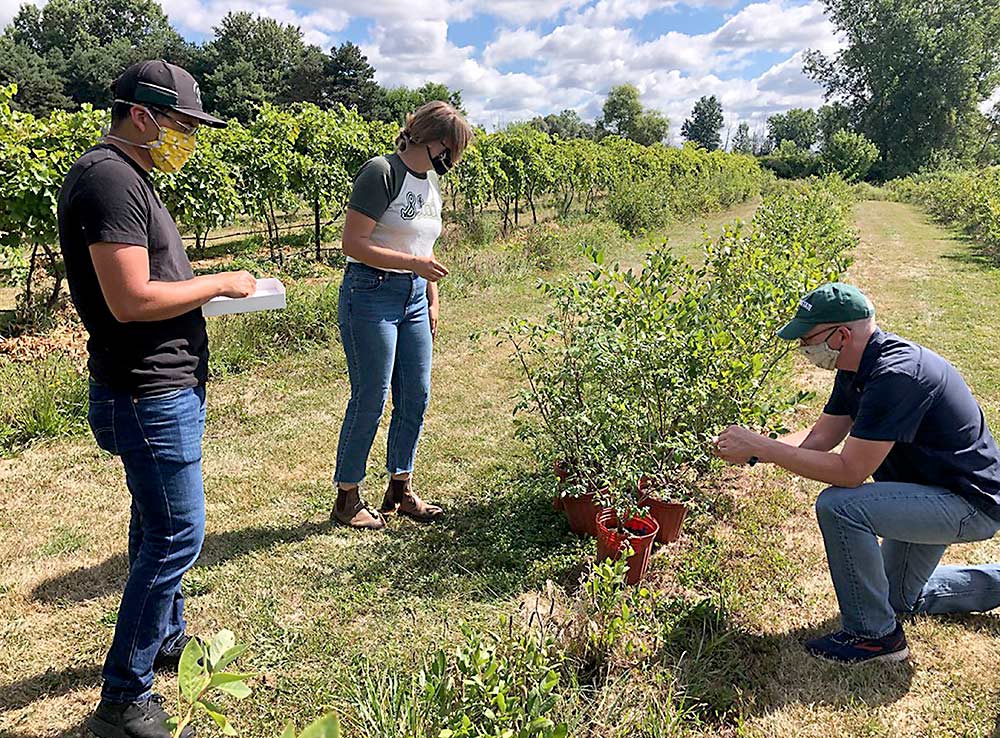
909, 80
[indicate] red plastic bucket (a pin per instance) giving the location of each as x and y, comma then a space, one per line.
611, 543
669, 516
581, 513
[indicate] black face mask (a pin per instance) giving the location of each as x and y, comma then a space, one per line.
442, 162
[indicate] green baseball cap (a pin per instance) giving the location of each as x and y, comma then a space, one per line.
835, 302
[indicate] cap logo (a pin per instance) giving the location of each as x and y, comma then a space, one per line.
805, 306
197, 93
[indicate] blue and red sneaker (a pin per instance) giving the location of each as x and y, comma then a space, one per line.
845, 648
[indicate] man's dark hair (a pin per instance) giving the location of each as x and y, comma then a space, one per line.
119, 113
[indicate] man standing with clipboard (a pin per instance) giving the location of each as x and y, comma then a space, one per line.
135, 291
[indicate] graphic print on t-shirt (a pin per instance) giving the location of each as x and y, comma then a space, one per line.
414, 203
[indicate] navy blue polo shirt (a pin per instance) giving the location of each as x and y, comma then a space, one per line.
906, 393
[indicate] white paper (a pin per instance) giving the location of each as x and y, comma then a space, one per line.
270, 295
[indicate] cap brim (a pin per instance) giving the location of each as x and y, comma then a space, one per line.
208, 120
795, 329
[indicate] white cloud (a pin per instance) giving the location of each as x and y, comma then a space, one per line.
9, 8
776, 26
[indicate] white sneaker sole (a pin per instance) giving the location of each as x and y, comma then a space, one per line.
888, 658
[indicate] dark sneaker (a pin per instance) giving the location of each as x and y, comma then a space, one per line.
168, 659
845, 648
143, 719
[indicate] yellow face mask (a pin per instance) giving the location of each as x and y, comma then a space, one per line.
172, 149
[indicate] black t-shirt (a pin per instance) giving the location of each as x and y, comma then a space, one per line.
107, 197
906, 393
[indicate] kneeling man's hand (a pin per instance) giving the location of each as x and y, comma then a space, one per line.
737, 445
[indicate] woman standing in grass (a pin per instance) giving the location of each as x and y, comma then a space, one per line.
388, 309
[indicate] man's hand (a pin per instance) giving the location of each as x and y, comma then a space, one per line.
434, 310
737, 445
237, 284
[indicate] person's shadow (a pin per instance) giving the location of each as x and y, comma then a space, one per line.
108, 577
725, 669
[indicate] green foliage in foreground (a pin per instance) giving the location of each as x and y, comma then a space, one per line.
967, 199
202, 678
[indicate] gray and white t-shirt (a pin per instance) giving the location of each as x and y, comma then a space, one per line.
405, 206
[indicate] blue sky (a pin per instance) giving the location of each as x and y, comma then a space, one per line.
513, 59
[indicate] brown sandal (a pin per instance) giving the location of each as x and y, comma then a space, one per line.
352, 511
400, 498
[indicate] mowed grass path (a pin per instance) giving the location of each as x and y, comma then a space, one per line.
927, 285
314, 602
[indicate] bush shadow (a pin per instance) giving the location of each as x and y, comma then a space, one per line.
973, 254
49, 683
729, 671
485, 549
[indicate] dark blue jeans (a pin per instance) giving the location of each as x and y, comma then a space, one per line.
158, 438
386, 331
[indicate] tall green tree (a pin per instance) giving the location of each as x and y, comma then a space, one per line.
253, 60
912, 72
395, 103
797, 125
566, 125
832, 118
742, 141
350, 80
703, 127
622, 109
84, 45
650, 127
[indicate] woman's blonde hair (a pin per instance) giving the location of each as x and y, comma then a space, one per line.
436, 121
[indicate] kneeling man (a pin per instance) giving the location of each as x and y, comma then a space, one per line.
912, 424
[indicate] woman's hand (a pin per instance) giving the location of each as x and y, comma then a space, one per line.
434, 310
429, 268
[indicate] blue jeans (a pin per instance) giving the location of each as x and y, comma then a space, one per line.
386, 331
159, 441
916, 524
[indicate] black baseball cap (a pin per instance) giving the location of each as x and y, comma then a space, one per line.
163, 85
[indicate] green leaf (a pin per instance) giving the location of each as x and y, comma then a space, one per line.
223, 642
192, 672
327, 726
239, 689
289, 731
226, 677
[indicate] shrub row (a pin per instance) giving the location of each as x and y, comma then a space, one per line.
967, 199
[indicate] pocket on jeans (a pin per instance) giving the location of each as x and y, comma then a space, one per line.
101, 419
976, 526
171, 425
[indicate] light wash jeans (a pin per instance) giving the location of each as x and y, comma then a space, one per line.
158, 438
916, 524
386, 331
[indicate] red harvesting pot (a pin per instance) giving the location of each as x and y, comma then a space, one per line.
581, 512
640, 532
669, 515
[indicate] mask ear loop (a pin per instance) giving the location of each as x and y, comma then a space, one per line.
148, 146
